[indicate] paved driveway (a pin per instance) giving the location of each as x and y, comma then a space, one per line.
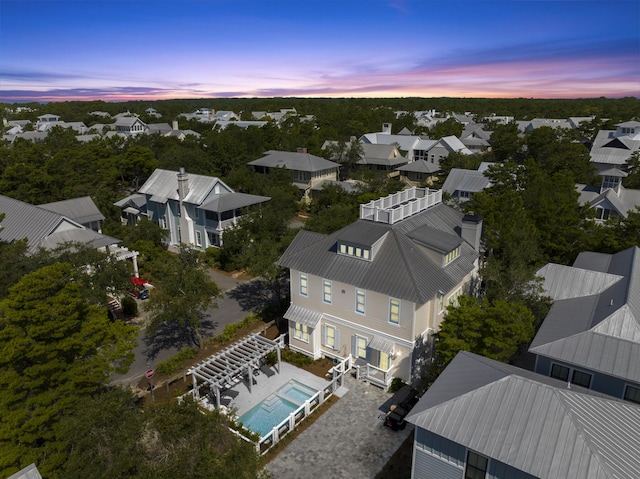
347, 441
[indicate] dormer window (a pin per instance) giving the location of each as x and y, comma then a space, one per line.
356, 251
451, 255
610, 182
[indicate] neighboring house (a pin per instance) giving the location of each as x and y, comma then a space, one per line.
405, 143
418, 172
591, 335
194, 209
434, 151
610, 199
44, 120
152, 112
377, 289
159, 128
500, 120
83, 210
485, 419
130, 125
612, 149
475, 138
33, 136
132, 209
462, 184
102, 114
43, 228
223, 124
307, 170
529, 125
385, 158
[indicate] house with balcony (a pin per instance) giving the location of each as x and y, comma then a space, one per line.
591, 335
485, 419
377, 289
130, 125
307, 170
194, 209
405, 143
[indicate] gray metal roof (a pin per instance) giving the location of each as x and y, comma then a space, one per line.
164, 184
29, 472
420, 166
294, 161
137, 200
399, 268
38, 226
232, 201
83, 209
465, 180
531, 422
440, 241
303, 315
596, 324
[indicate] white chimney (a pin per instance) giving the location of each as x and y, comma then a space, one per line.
174, 125
386, 128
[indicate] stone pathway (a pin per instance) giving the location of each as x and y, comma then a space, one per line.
347, 441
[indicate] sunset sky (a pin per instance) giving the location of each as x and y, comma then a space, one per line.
56, 50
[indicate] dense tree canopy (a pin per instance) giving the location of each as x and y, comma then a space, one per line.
55, 350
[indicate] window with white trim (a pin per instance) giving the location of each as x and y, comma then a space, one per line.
451, 255
163, 222
198, 238
440, 301
326, 291
394, 311
330, 337
476, 467
453, 299
301, 332
304, 285
383, 360
361, 347
360, 301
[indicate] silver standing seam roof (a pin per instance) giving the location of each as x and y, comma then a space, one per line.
399, 268
531, 422
294, 161
83, 209
594, 321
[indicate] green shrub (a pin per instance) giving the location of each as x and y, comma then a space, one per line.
129, 306
172, 364
231, 330
295, 358
212, 257
396, 385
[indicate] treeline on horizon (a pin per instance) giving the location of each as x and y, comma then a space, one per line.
616, 109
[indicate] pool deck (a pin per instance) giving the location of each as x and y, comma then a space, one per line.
239, 398
347, 441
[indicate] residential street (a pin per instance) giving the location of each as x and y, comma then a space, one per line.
241, 297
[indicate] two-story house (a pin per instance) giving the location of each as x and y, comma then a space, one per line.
83, 210
462, 184
130, 125
194, 209
591, 335
485, 419
307, 170
378, 288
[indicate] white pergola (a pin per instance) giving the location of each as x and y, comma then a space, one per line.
227, 367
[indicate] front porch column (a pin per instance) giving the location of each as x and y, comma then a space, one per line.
134, 259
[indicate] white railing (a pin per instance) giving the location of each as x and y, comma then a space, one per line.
377, 376
400, 205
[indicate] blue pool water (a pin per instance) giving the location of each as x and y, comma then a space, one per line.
274, 409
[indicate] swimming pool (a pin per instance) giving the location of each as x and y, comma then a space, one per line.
274, 409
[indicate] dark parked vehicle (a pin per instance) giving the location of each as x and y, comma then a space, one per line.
404, 400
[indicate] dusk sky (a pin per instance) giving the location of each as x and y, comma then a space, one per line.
56, 50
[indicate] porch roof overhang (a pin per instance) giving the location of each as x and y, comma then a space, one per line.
381, 344
302, 315
131, 210
224, 368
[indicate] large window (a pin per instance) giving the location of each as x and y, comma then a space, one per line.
330, 337
581, 379
560, 372
632, 393
326, 291
304, 285
360, 301
476, 466
383, 360
394, 310
302, 332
